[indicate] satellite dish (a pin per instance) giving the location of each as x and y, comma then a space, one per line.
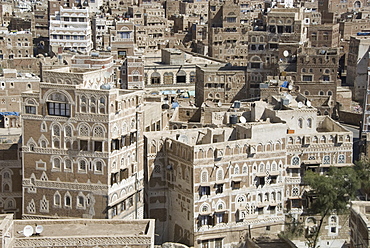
286, 53
219, 104
309, 104
300, 104
242, 119
39, 229
28, 231
290, 87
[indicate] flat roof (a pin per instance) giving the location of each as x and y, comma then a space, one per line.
82, 227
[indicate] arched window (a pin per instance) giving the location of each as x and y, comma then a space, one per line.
31, 208
102, 105
56, 163
261, 167
204, 208
295, 191
56, 130
84, 131
295, 160
44, 205
82, 165
341, 158
43, 127
30, 107
98, 167
245, 169
83, 104
157, 169
240, 199
273, 196
67, 200
204, 177
6, 187
220, 174
278, 196
168, 78
326, 159
273, 166
309, 123
68, 131
300, 123
57, 201
80, 201
68, 165
98, 131
333, 219
236, 170
155, 78
92, 105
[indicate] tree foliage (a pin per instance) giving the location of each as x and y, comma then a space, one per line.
333, 190
363, 170
293, 227
331, 193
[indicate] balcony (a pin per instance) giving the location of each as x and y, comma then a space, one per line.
57, 29
293, 180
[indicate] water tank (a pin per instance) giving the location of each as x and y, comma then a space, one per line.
233, 119
105, 87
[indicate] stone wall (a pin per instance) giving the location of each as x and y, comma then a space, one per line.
350, 117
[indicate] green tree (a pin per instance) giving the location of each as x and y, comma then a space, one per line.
363, 170
293, 227
331, 193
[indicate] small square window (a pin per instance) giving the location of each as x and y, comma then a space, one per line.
235, 185
98, 146
83, 145
307, 78
255, 65
40, 165
204, 190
